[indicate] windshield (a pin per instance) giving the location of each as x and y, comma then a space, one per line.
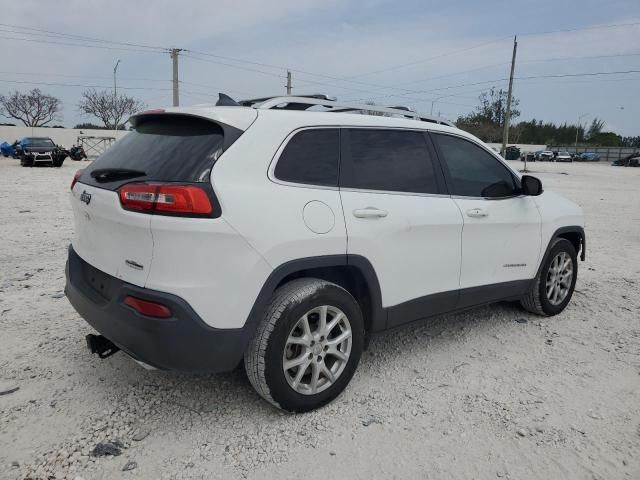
167, 148
37, 142
564, 154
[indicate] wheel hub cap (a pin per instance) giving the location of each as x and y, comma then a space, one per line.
317, 350
559, 278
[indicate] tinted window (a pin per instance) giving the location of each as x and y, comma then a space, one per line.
474, 172
393, 160
312, 157
38, 142
167, 148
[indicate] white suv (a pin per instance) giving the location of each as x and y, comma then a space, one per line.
270, 232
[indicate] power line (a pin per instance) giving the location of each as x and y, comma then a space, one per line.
580, 29
587, 57
103, 77
541, 60
235, 66
425, 60
104, 47
455, 52
56, 84
28, 31
623, 72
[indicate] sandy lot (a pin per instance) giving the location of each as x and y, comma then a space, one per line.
491, 393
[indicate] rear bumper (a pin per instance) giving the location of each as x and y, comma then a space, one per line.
183, 342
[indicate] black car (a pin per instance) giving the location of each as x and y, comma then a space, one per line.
632, 160
36, 150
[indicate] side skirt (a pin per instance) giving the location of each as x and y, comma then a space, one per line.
454, 301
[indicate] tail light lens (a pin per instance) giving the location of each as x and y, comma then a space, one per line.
76, 177
168, 199
148, 308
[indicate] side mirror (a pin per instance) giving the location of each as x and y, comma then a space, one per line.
531, 186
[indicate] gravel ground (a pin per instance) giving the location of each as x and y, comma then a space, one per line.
491, 393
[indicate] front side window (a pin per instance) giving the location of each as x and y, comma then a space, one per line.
474, 172
389, 160
312, 157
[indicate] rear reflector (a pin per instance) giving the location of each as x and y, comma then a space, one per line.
165, 199
145, 307
76, 177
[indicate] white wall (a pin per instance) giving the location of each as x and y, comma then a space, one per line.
66, 137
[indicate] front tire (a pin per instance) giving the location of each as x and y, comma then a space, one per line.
307, 346
553, 287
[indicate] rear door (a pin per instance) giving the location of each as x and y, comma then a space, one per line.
501, 234
163, 148
399, 217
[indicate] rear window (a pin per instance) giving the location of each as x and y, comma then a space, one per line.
171, 148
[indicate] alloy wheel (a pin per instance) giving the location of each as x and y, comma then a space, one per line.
317, 350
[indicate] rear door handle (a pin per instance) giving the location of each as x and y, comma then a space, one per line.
476, 213
370, 212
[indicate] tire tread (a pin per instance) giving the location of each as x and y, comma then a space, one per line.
254, 358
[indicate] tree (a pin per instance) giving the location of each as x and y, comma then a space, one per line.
487, 120
33, 109
606, 139
89, 126
596, 127
631, 142
111, 109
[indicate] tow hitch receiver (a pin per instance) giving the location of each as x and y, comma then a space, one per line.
101, 345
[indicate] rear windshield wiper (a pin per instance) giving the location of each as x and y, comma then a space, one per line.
111, 174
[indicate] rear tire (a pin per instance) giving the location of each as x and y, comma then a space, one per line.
553, 287
323, 354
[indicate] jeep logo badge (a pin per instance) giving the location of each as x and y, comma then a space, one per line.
85, 197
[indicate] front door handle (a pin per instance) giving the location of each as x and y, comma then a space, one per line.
477, 213
369, 212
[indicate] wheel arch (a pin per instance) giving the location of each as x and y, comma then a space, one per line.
354, 273
575, 234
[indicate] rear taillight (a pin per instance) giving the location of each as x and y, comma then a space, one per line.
147, 308
76, 177
165, 199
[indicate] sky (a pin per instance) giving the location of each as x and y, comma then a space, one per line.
417, 53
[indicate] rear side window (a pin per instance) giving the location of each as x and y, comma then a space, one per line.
311, 157
391, 160
474, 172
168, 148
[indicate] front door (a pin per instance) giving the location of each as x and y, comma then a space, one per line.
501, 232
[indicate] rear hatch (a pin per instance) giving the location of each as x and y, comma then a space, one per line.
164, 149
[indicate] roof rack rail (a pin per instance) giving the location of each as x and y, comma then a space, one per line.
304, 102
253, 101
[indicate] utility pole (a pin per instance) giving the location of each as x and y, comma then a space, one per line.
115, 90
288, 82
507, 116
174, 52
115, 69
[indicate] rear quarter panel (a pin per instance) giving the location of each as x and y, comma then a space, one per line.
267, 214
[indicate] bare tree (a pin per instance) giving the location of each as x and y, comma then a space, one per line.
34, 108
112, 109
